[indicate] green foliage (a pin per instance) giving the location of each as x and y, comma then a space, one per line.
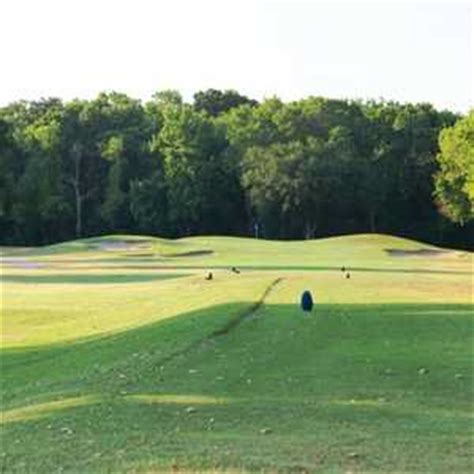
149, 204
455, 179
311, 167
216, 102
10, 166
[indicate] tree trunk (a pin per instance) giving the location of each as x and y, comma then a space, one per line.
372, 220
310, 229
77, 156
78, 199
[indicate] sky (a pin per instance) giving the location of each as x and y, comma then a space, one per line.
408, 51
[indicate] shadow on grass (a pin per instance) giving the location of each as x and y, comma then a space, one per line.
90, 279
280, 335
103, 353
280, 391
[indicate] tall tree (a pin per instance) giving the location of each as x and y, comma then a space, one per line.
315, 166
122, 139
455, 178
8, 175
200, 175
216, 102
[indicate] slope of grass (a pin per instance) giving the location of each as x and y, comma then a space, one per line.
347, 250
114, 368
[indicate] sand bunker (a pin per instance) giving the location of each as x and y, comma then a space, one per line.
191, 253
118, 245
143, 248
416, 252
21, 263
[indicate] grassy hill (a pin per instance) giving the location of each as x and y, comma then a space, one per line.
119, 356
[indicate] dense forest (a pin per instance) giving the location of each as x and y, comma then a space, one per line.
227, 164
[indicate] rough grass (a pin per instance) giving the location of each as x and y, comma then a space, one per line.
132, 372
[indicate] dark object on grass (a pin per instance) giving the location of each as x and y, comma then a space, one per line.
209, 276
306, 301
235, 270
348, 275
343, 269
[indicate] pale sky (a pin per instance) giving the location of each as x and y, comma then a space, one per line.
417, 51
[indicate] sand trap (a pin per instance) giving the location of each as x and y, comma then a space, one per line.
117, 245
20, 263
192, 253
417, 252
143, 247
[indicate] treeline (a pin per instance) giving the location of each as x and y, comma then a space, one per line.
223, 164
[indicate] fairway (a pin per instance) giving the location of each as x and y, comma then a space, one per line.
119, 356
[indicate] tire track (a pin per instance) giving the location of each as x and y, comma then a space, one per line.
240, 318
226, 329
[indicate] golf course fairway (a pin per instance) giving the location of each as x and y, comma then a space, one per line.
118, 355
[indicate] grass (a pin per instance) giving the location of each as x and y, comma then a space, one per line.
139, 371
87, 278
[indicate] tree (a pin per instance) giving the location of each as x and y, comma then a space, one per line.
216, 102
455, 179
124, 131
8, 176
202, 186
38, 209
149, 204
315, 166
291, 186
396, 169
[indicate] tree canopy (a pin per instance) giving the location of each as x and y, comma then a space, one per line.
455, 178
224, 162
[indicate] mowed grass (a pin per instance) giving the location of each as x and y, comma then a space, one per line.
121, 357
